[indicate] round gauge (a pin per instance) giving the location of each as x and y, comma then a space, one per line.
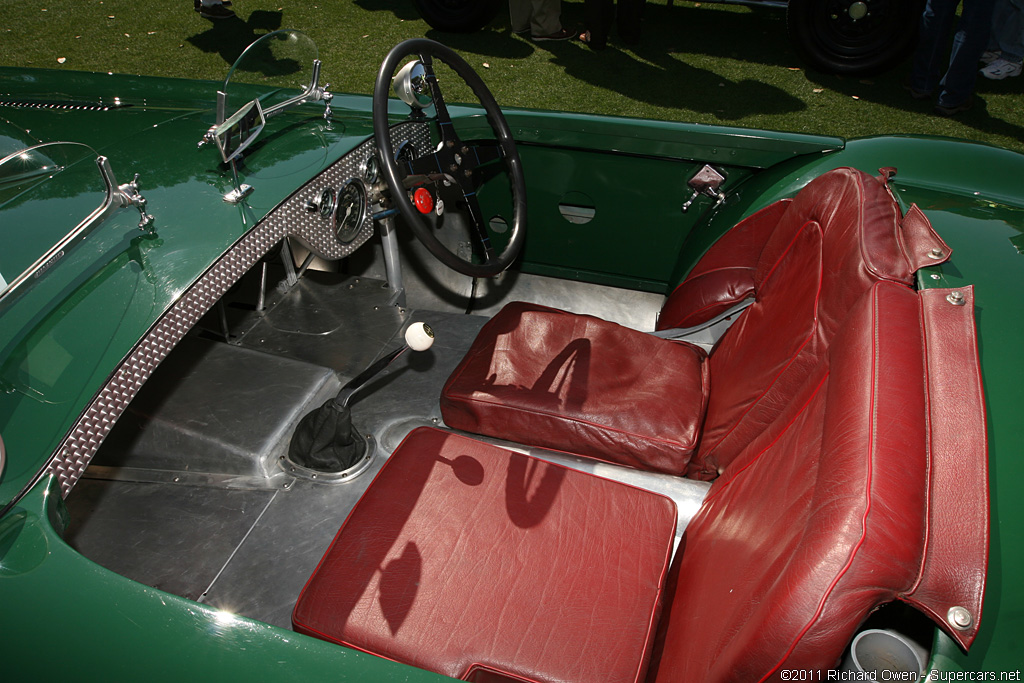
350, 210
406, 152
325, 203
371, 169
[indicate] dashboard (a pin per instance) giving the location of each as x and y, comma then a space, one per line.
331, 214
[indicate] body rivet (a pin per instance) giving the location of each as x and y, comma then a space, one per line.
959, 618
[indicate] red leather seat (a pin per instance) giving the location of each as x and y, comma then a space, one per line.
480, 563
806, 261
568, 382
826, 515
487, 565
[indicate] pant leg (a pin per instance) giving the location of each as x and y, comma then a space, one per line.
1008, 29
545, 17
519, 12
969, 43
929, 59
628, 15
599, 20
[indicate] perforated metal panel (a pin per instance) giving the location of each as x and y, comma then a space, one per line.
318, 232
289, 218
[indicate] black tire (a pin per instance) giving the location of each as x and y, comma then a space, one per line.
854, 37
458, 16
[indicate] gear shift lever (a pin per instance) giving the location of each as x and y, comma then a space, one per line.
325, 440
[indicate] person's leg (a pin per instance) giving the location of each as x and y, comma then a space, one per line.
519, 12
969, 43
1008, 29
545, 17
628, 14
599, 20
936, 22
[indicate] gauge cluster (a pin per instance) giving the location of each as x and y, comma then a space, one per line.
332, 213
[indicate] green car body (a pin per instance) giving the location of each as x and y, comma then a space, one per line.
64, 337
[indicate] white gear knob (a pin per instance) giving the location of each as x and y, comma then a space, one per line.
419, 336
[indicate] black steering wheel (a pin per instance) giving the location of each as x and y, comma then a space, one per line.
454, 162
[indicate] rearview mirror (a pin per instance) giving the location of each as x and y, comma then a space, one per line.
239, 130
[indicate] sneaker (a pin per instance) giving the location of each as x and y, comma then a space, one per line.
217, 11
915, 93
990, 56
1000, 69
564, 34
941, 110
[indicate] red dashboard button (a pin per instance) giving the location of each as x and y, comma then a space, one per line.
423, 200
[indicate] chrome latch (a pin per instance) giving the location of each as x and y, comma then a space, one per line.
707, 182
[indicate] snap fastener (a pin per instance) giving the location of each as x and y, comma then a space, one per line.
959, 618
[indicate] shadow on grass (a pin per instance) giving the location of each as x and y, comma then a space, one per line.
402, 9
887, 90
659, 79
750, 34
491, 41
229, 37
650, 72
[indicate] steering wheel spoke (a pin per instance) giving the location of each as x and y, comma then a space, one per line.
453, 161
479, 228
443, 118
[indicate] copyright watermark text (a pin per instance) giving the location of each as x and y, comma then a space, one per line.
832, 675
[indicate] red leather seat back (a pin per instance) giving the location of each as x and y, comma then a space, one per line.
840, 235
819, 520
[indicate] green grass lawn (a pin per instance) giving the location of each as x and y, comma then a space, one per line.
705, 63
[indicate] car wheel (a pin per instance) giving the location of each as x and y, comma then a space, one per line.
854, 37
458, 16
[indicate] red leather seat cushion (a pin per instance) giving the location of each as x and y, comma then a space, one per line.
476, 562
546, 377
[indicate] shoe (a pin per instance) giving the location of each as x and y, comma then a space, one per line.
218, 11
1000, 69
564, 34
915, 93
990, 56
947, 112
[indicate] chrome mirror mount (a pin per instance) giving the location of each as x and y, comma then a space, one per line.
233, 132
410, 85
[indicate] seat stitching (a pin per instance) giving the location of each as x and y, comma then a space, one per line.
546, 413
796, 416
867, 495
928, 450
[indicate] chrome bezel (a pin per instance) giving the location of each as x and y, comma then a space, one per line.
326, 201
370, 169
360, 188
405, 151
